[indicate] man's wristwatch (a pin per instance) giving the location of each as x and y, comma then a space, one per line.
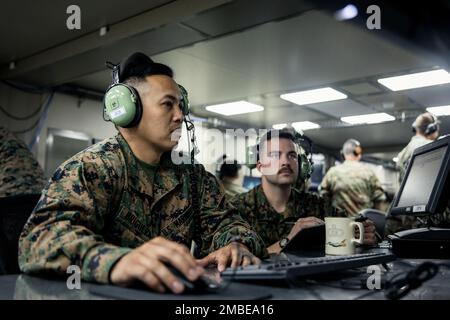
283, 242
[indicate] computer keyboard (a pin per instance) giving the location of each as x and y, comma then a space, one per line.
288, 268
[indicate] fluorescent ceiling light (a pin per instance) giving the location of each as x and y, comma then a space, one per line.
313, 96
279, 126
416, 80
346, 13
440, 111
305, 125
232, 108
368, 118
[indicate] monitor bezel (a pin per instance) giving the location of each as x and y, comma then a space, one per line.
433, 206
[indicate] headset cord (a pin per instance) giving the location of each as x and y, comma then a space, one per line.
402, 284
194, 190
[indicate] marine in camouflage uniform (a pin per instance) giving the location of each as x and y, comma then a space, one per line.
272, 226
405, 155
352, 187
426, 127
101, 203
20, 173
406, 222
232, 189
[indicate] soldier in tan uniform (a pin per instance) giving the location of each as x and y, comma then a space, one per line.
426, 129
352, 186
276, 209
122, 209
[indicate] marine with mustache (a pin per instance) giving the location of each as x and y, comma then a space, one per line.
122, 210
277, 210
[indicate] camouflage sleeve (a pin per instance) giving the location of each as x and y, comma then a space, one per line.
325, 187
326, 208
65, 227
378, 194
222, 223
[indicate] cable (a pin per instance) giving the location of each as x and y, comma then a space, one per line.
401, 284
27, 88
20, 118
37, 132
34, 125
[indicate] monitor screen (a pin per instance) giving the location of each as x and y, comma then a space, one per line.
251, 182
421, 178
424, 187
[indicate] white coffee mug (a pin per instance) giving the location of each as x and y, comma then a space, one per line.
340, 235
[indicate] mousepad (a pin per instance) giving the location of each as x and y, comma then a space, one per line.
232, 292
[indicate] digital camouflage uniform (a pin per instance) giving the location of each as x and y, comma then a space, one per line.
405, 222
405, 155
352, 187
232, 189
99, 205
20, 173
272, 226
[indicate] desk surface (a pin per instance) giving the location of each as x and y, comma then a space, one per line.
348, 285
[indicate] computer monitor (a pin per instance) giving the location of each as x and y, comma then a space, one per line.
251, 182
425, 188
316, 176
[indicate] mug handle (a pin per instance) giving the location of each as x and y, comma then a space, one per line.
361, 232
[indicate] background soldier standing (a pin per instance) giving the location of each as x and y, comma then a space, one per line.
352, 186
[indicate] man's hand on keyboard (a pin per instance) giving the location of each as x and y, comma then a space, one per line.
369, 233
234, 255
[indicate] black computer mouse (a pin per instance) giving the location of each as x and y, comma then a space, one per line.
201, 285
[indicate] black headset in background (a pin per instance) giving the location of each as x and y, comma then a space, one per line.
428, 129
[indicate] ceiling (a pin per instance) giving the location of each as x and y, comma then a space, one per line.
223, 50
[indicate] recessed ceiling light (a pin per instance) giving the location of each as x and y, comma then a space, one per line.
233, 108
279, 126
368, 118
305, 125
313, 96
416, 80
440, 110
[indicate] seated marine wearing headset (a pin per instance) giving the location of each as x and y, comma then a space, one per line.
426, 129
121, 210
352, 186
277, 210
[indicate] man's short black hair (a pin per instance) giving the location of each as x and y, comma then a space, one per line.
229, 170
139, 65
280, 134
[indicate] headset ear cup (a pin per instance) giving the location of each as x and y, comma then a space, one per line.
184, 104
138, 109
431, 128
305, 167
122, 105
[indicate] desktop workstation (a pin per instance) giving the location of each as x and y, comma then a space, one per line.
302, 274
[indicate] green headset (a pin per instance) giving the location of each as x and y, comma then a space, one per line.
122, 104
305, 163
